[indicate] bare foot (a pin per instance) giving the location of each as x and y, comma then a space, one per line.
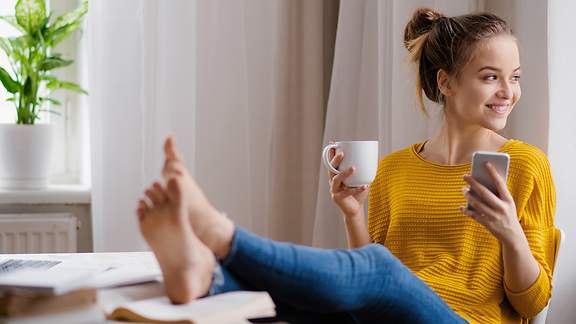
187, 264
212, 227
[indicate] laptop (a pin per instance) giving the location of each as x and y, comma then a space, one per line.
11, 265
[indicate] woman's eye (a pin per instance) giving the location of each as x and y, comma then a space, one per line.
490, 77
516, 78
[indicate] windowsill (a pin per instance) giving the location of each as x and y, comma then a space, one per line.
54, 194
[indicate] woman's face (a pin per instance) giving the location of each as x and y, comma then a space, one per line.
488, 87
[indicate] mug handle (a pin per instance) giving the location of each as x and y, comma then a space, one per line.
325, 160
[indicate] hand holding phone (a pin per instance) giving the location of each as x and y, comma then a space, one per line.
480, 173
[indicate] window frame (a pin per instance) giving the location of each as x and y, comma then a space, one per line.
70, 160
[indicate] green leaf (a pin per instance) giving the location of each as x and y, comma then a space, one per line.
5, 46
56, 84
72, 87
71, 18
48, 77
21, 43
54, 37
53, 62
50, 100
9, 84
30, 14
12, 21
27, 88
51, 111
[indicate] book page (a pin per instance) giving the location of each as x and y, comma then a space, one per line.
221, 308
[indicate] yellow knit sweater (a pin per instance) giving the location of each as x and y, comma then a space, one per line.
413, 211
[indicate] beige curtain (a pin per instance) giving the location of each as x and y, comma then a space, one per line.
262, 83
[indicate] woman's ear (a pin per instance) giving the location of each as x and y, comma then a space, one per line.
443, 81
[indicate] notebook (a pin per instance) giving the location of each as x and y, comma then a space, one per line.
45, 281
54, 276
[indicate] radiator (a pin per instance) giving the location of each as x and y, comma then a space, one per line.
38, 233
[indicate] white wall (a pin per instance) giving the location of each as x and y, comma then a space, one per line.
562, 149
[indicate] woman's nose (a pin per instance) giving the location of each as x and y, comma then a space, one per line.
505, 91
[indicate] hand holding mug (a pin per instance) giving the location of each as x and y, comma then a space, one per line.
351, 168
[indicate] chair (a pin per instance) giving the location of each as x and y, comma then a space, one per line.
559, 241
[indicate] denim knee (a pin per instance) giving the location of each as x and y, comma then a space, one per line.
372, 267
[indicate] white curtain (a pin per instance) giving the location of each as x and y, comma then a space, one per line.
242, 86
141, 68
372, 94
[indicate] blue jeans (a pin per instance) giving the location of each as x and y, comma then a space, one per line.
365, 285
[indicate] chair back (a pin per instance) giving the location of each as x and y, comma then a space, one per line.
559, 237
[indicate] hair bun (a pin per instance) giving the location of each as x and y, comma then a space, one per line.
420, 24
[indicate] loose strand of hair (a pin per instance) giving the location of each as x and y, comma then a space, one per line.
415, 48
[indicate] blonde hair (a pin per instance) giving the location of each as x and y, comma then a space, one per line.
436, 42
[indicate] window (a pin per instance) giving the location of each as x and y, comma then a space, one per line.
70, 151
7, 112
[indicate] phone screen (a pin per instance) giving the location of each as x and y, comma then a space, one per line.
480, 173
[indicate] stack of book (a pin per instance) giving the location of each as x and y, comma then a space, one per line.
41, 293
47, 296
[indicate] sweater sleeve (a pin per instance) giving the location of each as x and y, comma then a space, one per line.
537, 219
378, 207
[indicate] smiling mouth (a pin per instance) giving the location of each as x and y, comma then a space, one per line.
499, 109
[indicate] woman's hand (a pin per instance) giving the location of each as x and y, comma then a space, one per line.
496, 213
349, 200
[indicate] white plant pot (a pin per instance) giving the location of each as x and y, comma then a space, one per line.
25, 156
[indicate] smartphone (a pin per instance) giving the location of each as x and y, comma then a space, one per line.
500, 161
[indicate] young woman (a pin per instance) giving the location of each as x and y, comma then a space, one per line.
422, 259
480, 262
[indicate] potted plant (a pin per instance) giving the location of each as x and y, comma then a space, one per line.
25, 147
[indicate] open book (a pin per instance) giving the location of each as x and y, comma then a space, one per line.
232, 307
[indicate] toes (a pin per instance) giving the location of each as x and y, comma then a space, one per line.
170, 149
154, 194
142, 209
142, 205
160, 192
172, 167
174, 190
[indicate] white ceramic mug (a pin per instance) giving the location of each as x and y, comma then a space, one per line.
361, 154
